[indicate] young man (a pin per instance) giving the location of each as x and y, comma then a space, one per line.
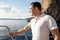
41, 25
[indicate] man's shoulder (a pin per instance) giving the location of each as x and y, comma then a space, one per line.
46, 15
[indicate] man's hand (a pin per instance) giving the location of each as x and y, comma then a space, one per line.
12, 33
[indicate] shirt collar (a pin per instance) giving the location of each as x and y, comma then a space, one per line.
42, 14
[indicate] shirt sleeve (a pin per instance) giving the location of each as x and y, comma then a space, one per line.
51, 23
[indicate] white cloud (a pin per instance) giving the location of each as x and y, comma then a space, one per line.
24, 13
7, 11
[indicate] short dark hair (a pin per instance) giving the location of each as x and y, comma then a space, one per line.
36, 4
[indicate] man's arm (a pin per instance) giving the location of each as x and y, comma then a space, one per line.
55, 34
20, 31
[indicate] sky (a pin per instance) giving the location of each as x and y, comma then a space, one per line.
15, 8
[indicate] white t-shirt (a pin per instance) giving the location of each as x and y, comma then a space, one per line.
42, 27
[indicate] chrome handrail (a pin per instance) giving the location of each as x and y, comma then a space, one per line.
26, 38
8, 30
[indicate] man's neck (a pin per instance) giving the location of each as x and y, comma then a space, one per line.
37, 16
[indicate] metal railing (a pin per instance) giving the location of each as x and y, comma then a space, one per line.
8, 31
26, 38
